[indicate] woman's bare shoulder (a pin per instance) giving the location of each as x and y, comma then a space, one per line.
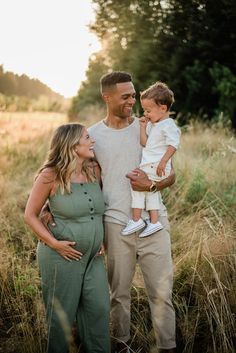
48, 175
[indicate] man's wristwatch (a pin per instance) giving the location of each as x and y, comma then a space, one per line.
153, 186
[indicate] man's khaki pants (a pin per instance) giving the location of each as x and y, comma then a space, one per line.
153, 254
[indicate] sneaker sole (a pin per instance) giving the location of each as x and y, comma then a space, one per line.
141, 235
134, 230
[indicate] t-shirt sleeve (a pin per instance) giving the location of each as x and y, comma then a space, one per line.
172, 134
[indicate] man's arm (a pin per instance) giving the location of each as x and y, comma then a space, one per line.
140, 182
45, 216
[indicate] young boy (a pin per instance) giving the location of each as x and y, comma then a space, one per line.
159, 136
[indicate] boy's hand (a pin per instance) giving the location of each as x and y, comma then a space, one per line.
143, 122
161, 168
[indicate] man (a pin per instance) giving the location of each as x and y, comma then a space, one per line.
118, 151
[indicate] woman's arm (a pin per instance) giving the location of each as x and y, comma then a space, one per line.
38, 196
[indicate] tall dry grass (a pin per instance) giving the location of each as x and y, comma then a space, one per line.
23, 144
202, 209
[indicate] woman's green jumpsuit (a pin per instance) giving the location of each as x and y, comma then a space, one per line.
76, 291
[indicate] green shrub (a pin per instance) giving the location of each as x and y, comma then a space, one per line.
197, 188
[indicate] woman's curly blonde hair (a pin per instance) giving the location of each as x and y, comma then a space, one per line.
62, 157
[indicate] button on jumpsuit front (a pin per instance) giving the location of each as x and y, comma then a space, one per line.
76, 292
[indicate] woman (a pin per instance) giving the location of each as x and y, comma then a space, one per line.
74, 282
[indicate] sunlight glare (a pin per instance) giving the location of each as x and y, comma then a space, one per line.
48, 40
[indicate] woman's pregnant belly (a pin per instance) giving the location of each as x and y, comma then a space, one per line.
88, 235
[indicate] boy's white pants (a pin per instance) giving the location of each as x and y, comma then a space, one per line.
147, 200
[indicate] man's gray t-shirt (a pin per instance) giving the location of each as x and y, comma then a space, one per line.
118, 151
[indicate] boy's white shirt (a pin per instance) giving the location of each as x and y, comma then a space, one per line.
160, 136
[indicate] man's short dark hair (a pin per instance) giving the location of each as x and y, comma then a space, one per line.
109, 80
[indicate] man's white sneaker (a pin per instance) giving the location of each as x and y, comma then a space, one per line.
150, 229
133, 226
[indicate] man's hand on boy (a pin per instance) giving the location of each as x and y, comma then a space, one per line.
139, 180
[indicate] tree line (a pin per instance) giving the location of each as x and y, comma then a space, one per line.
190, 45
21, 93
22, 85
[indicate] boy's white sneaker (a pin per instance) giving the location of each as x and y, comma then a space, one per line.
150, 229
133, 226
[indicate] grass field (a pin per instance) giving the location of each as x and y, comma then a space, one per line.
202, 211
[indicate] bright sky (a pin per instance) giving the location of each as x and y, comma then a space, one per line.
48, 40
